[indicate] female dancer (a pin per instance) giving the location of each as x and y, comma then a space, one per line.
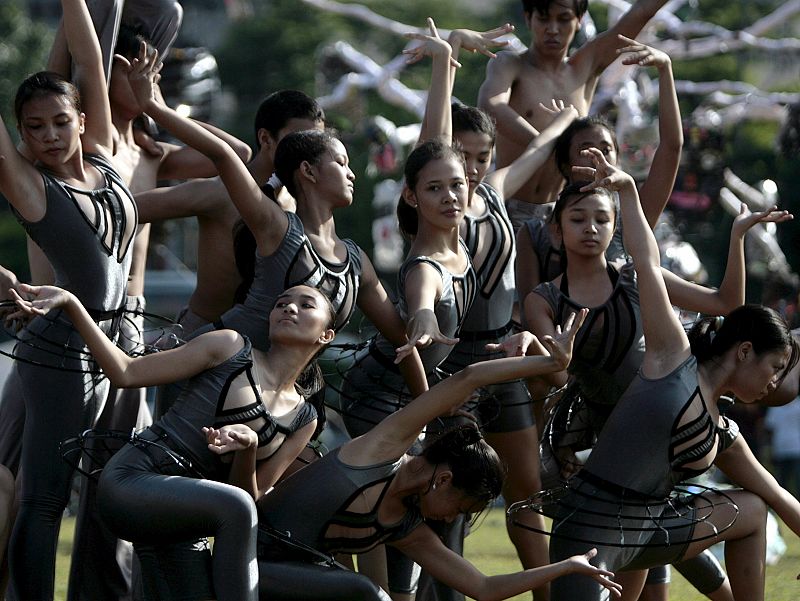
352, 493
75, 207
539, 248
292, 249
436, 283
789, 387
504, 408
166, 485
667, 427
611, 347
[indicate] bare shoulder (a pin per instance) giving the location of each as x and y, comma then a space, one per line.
506, 62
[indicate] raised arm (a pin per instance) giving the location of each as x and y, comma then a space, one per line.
20, 182
183, 362
601, 51
395, 434
666, 343
511, 178
730, 294
263, 216
184, 162
195, 198
437, 122
657, 188
494, 96
89, 76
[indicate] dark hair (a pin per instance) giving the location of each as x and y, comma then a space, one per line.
564, 141
764, 328
296, 148
432, 150
277, 109
129, 39
476, 468
472, 119
41, 85
311, 383
573, 190
543, 6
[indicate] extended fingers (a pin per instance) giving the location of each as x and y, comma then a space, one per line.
441, 338
432, 27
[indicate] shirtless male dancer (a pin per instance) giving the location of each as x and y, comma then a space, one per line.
280, 113
515, 84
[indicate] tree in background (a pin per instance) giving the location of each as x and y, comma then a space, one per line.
24, 46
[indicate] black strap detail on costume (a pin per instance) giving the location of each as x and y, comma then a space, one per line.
367, 520
613, 275
487, 334
615, 489
701, 430
286, 539
384, 361
613, 312
174, 449
106, 197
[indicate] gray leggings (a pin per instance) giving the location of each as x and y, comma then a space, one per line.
140, 499
302, 581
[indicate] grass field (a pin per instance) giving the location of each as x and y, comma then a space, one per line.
488, 547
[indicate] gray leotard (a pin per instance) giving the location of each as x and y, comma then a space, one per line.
550, 264
645, 448
373, 386
54, 374
201, 403
492, 246
140, 498
319, 496
610, 345
295, 262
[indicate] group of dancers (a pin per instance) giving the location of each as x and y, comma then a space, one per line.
442, 407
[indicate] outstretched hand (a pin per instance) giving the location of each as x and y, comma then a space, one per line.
745, 219
480, 41
38, 300
558, 108
235, 437
560, 345
144, 73
516, 345
602, 175
579, 564
423, 330
636, 53
432, 45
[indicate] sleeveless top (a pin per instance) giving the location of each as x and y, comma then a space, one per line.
295, 262
609, 347
202, 402
659, 434
455, 301
89, 253
318, 496
551, 262
491, 245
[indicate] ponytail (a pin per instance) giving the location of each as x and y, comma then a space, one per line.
476, 468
